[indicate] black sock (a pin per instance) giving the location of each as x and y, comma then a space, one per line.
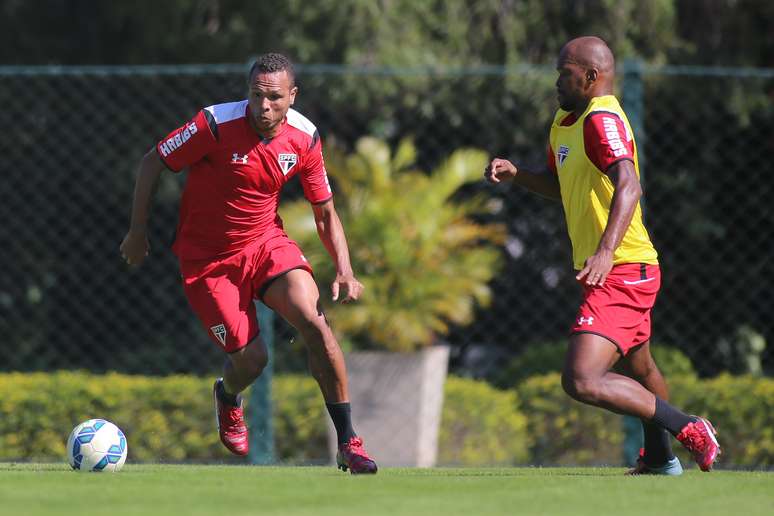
342, 420
234, 400
669, 417
658, 448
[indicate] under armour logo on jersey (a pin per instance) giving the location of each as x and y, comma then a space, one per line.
585, 320
564, 151
236, 158
287, 162
219, 330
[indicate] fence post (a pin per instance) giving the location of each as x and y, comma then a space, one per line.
633, 104
632, 98
261, 431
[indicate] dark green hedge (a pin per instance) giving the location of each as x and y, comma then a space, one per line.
171, 419
480, 426
567, 432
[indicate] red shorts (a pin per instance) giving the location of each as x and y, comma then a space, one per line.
222, 292
620, 309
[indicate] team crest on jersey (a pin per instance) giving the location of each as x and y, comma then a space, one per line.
219, 330
287, 162
564, 151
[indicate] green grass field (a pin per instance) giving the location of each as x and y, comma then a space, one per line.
52, 489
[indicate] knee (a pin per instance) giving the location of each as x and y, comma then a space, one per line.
252, 361
586, 390
643, 372
314, 330
321, 344
259, 361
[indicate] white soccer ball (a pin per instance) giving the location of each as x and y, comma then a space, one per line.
96, 445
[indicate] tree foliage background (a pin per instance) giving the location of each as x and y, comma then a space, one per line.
382, 32
404, 34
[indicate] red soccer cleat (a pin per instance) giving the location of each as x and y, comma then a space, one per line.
231, 424
352, 455
699, 439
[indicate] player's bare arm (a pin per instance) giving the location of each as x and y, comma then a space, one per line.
134, 248
331, 233
625, 198
544, 183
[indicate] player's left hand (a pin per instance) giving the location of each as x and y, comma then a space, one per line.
596, 268
499, 170
346, 283
134, 248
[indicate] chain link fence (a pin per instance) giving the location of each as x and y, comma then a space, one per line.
74, 136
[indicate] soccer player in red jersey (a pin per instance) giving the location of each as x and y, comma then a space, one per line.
593, 169
232, 248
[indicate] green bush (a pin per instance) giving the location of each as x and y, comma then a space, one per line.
405, 219
170, 419
567, 432
672, 362
548, 357
167, 419
300, 417
540, 358
741, 408
480, 426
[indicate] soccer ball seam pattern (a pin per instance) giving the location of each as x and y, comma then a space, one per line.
97, 445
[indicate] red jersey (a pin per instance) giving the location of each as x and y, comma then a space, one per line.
235, 177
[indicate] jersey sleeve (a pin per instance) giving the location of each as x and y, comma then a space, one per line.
551, 159
189, 143
607, 140
314, 178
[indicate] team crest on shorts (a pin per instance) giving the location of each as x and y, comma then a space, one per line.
219, 330
287, 162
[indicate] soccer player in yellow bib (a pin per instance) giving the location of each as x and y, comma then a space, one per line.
593, 170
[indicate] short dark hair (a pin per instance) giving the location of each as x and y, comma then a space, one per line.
273, 62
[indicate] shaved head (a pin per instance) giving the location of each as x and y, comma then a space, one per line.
586, 69
589, 52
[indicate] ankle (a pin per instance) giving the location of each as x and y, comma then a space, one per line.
669, 418
341, 414
657, 445
224, 396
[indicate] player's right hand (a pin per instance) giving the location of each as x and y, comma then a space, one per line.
135, 247
349, 284
500, 169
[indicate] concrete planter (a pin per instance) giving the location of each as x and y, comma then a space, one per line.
396, 404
